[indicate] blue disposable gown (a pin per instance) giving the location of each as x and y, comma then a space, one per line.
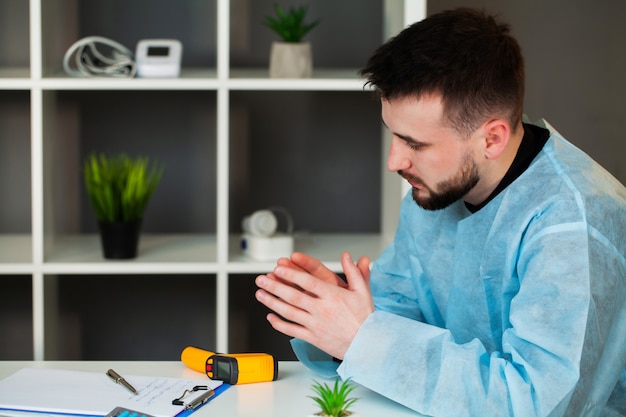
518, 309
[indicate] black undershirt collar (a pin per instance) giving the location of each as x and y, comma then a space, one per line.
534, 139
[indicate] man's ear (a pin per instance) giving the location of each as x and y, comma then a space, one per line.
497, 134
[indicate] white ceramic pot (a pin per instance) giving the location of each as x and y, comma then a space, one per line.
291, 60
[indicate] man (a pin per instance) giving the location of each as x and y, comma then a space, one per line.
504, 290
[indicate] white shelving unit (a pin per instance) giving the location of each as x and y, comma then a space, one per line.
57, 245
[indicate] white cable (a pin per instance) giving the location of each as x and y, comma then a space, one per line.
90, 62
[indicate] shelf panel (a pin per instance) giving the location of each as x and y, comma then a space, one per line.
196, 79
322, 80
325, 247
157, 254
253, 80
17, 78
196, 254
206, 79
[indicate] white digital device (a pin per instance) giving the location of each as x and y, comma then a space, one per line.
158, 58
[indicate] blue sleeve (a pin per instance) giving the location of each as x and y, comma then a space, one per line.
315, 359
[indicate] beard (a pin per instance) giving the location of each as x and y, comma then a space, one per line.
450, 190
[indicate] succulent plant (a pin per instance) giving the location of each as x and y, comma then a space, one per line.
333, 401
290, 25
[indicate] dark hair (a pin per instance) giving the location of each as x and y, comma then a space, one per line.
462, 54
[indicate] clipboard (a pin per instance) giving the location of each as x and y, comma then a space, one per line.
72, 393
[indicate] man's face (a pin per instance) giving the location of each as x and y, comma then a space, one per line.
436, 161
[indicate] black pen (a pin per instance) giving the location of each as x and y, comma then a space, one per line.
200, 400
118, 378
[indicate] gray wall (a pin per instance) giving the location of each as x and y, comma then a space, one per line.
575, 54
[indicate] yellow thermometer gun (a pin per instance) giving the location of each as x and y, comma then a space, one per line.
232, 368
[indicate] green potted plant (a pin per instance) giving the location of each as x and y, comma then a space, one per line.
291, 57
334, 401
119, 188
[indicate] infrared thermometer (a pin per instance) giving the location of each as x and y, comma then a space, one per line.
232, 368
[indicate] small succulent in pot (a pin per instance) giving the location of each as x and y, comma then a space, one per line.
333, 401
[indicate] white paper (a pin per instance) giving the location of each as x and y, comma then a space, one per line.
79, 392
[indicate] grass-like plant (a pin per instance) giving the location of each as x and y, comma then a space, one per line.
119, 187
290, 25
333, 401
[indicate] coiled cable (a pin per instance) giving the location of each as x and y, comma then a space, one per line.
90, 62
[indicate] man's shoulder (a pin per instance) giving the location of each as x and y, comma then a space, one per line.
561, 168
565, 185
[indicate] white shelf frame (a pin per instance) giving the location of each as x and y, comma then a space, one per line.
26, 254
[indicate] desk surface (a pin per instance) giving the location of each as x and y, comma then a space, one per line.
286, 397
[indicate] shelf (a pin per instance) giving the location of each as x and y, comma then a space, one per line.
326, 247
322, 79
15, 79
190, 254
190, 79
241, 79
232, 141
157, 254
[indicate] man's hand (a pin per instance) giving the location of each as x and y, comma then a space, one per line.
313, 304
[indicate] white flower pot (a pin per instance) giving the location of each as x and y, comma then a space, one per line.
291, 60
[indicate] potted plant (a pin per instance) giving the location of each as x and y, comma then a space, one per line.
291, 58
333, 401
119, 188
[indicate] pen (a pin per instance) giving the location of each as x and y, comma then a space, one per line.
200, 400
118, 378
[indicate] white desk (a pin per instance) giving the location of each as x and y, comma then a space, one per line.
285, 397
